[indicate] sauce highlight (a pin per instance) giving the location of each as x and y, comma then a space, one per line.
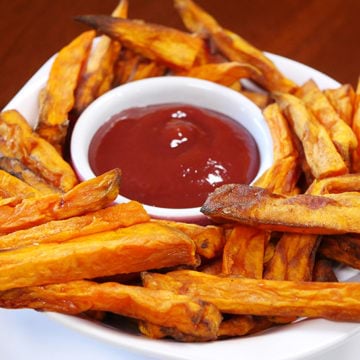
174, 155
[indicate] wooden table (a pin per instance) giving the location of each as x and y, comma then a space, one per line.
323, 34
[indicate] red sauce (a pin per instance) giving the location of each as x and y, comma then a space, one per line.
174, 155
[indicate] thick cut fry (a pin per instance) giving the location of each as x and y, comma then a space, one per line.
58, 98
324, 271
223, 73
319, 150
98, 74
209, 240
340, 132
344, 249
16, 168
262, 100
356, 129
125, 67
244, 252
56, 231
19, 141
148, 68
11, 186
236, 295
90, 195
132, 249
233, 46
342, 100
177, 313
336, 184
169, 46
327, 214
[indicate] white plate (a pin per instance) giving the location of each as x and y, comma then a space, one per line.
295, 341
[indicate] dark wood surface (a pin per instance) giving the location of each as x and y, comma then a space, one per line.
323, 34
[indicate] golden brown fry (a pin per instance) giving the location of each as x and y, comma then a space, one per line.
344, 249
356, 129
19, 141
209, 240
132, 249
244, 252
262, 100
23, 173
237, 295
310, 214
233, 46
223, 73
340, 132
342, 100
319, 150
125, 67
169, 46
336, 184
324, 271
97, 76
179, 313
11, 186
56, 231
148, 68
17, 213
58, 98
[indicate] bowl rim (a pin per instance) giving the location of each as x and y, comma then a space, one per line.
86, 125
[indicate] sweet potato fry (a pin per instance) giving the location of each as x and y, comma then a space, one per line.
23, 173
11, 186
319, 150
169, 46
237, 295
209, 240
17, 213
340, 132
223, 73
310, 214
336, 184
356, 129
56, 231
344, 249
233, 46
97, 76
260, 99
179, 314
125, 67
324, 271
342, 100
148, 68
19, 141
125, 250
58, 98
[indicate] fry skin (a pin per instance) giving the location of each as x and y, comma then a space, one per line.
237, 295
19, 141
168, 46
179, 314
58, 98
308, 214
132, 249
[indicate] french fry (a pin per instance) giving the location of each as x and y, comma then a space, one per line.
356, 129
11, 186
342, 99
132, 249
56, 231
344, 249
148, 68
178, 314
16, 168
17, 213
238, 295
19, 141
340, 132
262, 100
97, 76
57, 99
336, 184
223, 73
233, 46
168, 46
324, 271
319, 150
308, 214
209, 240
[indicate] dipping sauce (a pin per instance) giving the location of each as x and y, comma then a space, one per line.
174, 155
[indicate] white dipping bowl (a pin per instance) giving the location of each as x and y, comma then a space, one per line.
162, 90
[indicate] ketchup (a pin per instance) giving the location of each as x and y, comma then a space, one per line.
174, 155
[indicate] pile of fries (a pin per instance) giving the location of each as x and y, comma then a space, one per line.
269, 254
